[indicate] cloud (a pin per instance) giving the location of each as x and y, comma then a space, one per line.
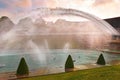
24, 3
51, 4
39, 3
107, 9
62, 3
5, 13
102, 2
100, 8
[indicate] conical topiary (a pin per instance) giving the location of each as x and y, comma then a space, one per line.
69, 63
101, 60
22, 68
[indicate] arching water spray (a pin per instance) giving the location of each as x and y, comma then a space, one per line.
35, 33
61, 11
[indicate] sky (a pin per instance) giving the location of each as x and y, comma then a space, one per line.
101, 8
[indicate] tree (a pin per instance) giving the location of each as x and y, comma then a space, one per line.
69, 63
22, 68
101, 60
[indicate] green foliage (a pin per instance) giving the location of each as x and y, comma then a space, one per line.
101, 60
102, 73
69, 63
22, 68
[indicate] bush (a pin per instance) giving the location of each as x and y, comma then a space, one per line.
69, 63
22, 68
101, 60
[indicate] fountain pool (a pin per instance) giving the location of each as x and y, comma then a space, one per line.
54, 61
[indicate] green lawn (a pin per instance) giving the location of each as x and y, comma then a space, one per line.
103, 73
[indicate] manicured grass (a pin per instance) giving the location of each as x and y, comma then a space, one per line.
103, 73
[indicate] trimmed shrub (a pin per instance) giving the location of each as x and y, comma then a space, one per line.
101, 60
69, 63
22, 68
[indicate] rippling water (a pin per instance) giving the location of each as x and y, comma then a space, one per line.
54, 58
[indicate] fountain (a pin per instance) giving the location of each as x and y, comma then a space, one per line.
37, 51
91, 36
46, 44
66, 48
58, 28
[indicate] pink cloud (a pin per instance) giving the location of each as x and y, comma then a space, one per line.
107, 10
102, 2
5, 13
38, 3
24, 3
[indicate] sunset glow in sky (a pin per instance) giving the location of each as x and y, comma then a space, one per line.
100, 8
